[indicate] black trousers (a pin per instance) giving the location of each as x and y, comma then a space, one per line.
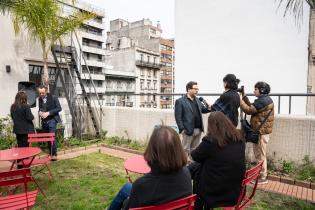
22, 140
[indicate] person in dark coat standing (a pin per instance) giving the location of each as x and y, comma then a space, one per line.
229, 102
221, 155
22, 119
169, 178
49, 108
188, 116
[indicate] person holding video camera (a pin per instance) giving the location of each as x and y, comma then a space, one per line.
262, 112
229, 102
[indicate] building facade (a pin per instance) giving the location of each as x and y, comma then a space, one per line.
134, 49
167, 71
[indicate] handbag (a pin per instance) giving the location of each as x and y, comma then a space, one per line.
250, 134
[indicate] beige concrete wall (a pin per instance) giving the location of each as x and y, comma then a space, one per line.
293, 137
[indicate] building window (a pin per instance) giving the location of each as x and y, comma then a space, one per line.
149, 85
141, 84
141, 57
36, 73
119, 85
148, 59
99, 83
129, 86
109, 84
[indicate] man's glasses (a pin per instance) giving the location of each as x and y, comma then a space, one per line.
195, 88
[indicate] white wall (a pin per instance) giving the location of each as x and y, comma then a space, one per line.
15, 51
292, 137
249, 38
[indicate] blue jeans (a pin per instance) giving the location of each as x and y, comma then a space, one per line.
50, 127
122, 195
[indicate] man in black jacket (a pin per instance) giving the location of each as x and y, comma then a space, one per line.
188, 116
49, 108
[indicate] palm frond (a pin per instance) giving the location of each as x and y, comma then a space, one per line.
296, 7
7, 5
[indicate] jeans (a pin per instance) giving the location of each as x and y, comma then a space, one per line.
122, 195
50, 127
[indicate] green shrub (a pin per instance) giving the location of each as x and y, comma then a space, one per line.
307, 170
124, 142
7, 138
287, 167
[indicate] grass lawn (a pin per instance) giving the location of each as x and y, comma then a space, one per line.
91, 181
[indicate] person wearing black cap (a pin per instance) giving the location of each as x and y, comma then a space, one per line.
229, 102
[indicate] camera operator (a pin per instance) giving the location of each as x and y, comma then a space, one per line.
229, 102
262, 112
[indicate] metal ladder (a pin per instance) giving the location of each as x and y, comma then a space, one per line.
68, 63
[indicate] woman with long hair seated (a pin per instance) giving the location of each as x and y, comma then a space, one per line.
221, 158
168, 180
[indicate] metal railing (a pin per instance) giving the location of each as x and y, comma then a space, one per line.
285, 103
148, 64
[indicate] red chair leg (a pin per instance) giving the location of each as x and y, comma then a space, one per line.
49, 171
40, 189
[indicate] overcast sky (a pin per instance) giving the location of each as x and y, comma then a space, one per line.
248, 38
133, 10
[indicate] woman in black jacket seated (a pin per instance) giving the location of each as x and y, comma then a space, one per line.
221, 155
168, 180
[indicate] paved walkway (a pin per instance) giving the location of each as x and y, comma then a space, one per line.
272, 186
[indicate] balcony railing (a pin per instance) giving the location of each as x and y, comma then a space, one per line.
148, 64
285, 103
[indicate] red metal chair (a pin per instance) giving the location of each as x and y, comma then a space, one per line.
246, 196
186, 203
41, 137
21, 200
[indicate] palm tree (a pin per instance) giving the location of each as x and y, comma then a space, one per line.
296, 7
45, 23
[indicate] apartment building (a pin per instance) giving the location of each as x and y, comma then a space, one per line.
89, 40
167, 56
23, 57
134, 48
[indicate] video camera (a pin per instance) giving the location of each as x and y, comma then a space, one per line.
241, 90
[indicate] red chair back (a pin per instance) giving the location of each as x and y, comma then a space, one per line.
15, 178
9, 178
41, 137
251, 175
186, 203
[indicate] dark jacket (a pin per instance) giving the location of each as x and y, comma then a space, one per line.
184, 115
259, 110
157, 188
222, 171
52, 106
22, 120
228, 104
